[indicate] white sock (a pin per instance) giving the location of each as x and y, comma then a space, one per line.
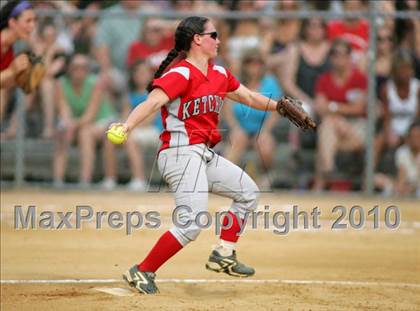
226, 248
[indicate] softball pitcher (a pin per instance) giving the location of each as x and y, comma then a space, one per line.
190, 95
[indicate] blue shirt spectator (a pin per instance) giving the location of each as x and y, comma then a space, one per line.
136, 99
250, 119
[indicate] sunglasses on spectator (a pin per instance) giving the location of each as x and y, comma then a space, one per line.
315, 24
213, 34
253, 60
339, 53
385, 38
79, 66
154, 28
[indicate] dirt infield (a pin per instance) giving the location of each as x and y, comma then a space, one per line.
313, 269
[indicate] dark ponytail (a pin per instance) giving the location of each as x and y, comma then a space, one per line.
169, 58
184, 34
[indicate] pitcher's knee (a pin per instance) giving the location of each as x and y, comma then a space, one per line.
186, 235
254, 191
249, 199
192, 233
252, 199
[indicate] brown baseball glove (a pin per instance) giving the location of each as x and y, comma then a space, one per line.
29, 79
292, 109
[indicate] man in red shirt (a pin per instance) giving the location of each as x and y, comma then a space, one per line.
153, 45
340, 101
355, 31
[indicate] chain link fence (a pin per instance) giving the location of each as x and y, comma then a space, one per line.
23, 160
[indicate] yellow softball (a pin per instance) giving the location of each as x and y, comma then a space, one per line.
116, 134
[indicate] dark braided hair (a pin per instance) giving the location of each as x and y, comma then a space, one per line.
5, 12
184, 34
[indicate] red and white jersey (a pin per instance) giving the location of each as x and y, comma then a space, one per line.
192, 115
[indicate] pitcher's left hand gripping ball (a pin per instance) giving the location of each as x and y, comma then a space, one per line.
117, 134
292, 109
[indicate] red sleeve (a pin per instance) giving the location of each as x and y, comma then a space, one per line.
6, 59
334, 29
321, 85
174, 82
362, 82
364, 29
233, 83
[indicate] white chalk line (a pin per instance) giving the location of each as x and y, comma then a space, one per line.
194, 281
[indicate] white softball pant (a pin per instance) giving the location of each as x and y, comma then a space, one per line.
192, 172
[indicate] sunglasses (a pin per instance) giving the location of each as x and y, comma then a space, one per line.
382, 39
153, 28
79, 66
339, 53
253, 61
213, 34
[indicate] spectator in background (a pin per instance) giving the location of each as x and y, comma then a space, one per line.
287, 29
62, 24
198, 6
323, 5
147, 135
85, 113
306, 60
353, 30
17, 22
153, 46
46, 44
340, 102
400, 97
84, 29
246, 35
114, 35
250, 126
408, 163
61, 5
407, 32
384, 48
386, 6
283, 33
183, 5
